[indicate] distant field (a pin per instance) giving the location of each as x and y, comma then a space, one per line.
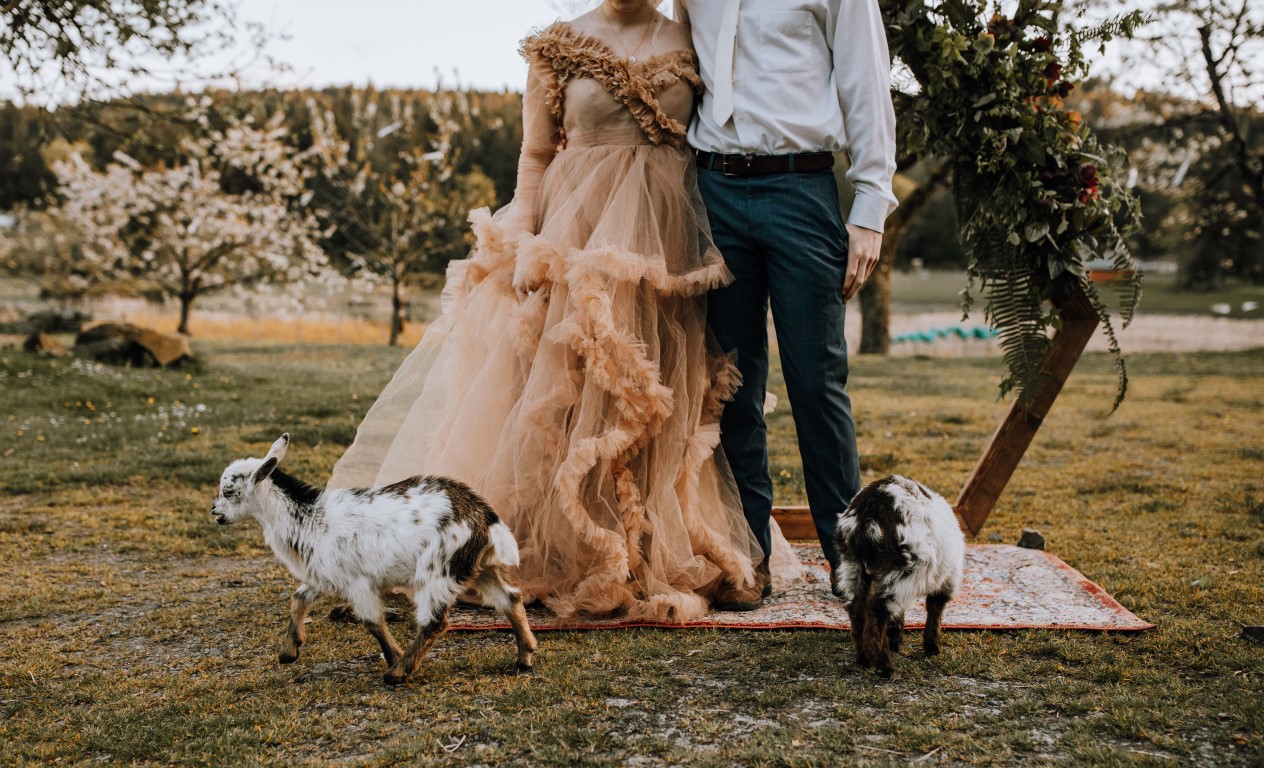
928, 291
1161, 295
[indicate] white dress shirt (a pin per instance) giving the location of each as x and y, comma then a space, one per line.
808, 76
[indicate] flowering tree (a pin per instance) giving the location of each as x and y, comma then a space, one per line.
400, 210
1036, 193
227, 215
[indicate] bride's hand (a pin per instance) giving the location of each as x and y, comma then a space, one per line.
524, 281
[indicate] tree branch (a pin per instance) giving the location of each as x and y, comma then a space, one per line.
1252, 168
918, 198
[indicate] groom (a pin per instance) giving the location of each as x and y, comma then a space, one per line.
788, 82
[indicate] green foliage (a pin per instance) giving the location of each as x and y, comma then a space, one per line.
23, 174
1037, 194
1199, 207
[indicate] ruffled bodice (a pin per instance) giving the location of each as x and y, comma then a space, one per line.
597, 96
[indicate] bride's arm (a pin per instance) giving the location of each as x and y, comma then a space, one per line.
541, 136
540, 139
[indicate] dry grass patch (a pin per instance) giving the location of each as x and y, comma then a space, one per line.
138, 632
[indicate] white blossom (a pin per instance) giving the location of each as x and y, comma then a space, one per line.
181, 234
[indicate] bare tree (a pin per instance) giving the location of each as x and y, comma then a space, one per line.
70, 49
875, 296
1195, 124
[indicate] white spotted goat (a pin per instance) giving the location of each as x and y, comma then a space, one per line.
430, 538
898, 541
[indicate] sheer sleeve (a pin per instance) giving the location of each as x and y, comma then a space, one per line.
540, 138
541, 135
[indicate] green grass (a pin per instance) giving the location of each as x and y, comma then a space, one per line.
138, 632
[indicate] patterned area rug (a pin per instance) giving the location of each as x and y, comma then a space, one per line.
1005, 587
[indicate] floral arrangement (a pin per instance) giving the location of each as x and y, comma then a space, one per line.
1037, 195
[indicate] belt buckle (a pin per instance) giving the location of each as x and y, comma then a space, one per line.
747, 162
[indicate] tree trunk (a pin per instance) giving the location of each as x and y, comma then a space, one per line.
397, 311
875, 296
186, 304
875, 299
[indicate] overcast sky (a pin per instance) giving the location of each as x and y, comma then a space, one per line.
403, 42
408, 43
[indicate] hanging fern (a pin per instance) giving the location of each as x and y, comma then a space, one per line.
1123, 25
1036, 193
1015, 307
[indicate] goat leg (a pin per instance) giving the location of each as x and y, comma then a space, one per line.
877, 621
517, 616
390, 649
494, 587
934, 614
895, 633
856, 614
300, 602
407, 664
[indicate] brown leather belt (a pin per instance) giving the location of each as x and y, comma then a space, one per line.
762, 165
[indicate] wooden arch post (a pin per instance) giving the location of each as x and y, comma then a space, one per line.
1014, 435
1010, 441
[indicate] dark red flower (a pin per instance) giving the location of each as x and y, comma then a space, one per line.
1052, 72
1088, 179
1042, 44
1063, 88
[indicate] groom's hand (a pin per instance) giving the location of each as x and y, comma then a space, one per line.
863, 249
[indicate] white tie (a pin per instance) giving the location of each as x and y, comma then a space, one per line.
722, 99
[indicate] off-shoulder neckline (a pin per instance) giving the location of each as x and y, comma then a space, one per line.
591, 39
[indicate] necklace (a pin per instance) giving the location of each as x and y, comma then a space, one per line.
615, 35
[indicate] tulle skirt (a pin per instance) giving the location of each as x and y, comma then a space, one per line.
586, 413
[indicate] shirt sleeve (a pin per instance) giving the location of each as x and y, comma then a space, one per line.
862, 74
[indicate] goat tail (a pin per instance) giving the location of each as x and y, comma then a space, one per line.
503, 543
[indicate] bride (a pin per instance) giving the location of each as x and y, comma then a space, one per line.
570, 378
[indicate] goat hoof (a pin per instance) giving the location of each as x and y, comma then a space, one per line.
288, 658
932, 650
885, 672
863, 661
525, 669
394, 678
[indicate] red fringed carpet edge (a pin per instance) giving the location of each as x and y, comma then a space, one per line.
1005, 587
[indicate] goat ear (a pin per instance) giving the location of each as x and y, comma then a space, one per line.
265, 470
277, 451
